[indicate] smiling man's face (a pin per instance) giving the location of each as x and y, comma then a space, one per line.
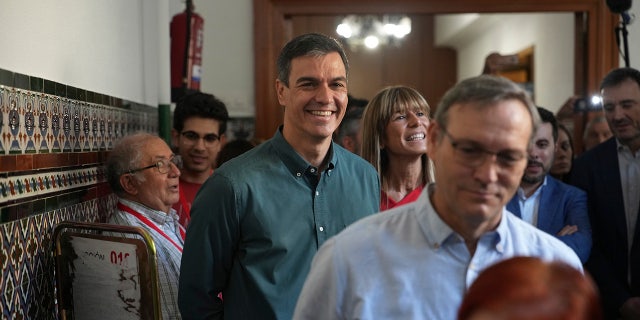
316, 98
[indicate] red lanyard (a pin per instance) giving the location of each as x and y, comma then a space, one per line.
152, 225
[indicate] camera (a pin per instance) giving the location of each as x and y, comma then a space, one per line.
585, 104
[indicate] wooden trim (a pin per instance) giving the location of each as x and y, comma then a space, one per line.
271, 33
580, 57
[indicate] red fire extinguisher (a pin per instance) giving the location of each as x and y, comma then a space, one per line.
186, 51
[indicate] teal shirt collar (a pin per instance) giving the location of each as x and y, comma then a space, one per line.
293, 161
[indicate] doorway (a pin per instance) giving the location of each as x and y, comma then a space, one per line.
273, 28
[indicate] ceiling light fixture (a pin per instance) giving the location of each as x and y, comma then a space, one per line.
370, 31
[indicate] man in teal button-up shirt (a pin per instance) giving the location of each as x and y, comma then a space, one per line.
260, 219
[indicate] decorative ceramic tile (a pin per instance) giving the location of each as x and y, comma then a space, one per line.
28, 263
14, 119
40, 184
76, 138
54, 137
67, 137
43, 128
4, 113
28, 103
34, 122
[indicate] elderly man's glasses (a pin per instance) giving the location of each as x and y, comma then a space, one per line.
163, 165
191, 137
471, 154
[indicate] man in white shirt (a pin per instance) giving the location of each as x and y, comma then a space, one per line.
416, 261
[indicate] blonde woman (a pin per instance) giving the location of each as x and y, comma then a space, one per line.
394, 141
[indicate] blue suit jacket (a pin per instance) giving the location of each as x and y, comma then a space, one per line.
562, 205
598, 173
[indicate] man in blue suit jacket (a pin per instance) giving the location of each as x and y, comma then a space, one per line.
552, 206
610, 173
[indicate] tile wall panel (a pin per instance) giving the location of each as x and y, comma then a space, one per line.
54, 140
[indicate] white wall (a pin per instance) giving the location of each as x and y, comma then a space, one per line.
551, 34
109, 46
122, 47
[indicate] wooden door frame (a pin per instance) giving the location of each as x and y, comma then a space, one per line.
272, 31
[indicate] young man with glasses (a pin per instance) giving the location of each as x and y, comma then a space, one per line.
199, 124
416, 261
143, 172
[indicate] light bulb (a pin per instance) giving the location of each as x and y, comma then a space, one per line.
344, 30
371, 42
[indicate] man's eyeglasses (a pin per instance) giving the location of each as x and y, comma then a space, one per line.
471, 154
163, 165
192, 138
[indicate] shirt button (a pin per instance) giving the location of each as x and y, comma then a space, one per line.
317, 193
298, 174
321, 229
499, 247
313, 170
